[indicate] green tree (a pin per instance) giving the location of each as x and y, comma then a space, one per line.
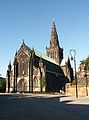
86, 62
43, 82
2, 85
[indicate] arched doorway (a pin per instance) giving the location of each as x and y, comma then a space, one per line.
22, 85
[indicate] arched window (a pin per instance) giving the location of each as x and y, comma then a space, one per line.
23, 64
35, 82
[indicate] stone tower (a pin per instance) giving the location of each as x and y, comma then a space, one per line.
54, 51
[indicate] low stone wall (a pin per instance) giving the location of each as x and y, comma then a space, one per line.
71, 90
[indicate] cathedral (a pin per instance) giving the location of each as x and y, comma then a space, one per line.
33, 71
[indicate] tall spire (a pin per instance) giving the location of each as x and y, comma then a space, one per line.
54, 51
54, 37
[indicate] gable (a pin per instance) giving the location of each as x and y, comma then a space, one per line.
23, 53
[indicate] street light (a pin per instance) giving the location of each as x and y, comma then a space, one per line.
73, 54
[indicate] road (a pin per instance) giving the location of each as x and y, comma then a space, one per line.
38, 107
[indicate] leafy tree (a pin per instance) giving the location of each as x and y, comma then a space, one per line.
2, 85
43, 82
86, 62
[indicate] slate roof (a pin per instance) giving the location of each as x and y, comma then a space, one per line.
39, 54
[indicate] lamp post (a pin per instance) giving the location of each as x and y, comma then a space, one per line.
73, 54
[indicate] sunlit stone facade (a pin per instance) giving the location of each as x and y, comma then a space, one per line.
33, 71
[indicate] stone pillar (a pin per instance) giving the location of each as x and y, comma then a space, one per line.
31, 73
41, 75
15, 75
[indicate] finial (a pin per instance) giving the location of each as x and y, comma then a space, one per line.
53, 20
23, 41
53, 26
9, 66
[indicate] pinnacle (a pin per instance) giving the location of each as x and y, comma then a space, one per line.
54, 36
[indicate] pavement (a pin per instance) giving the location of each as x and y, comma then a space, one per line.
84, 100
65, 99
62, 98
43, 107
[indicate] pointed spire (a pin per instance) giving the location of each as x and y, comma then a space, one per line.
54, 37
10, 62
54, 28
15, 58
23, 41
53, 19
16, 53
9, 66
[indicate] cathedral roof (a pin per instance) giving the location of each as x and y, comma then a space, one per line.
39, 54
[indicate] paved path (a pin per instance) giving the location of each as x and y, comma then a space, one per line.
72, 100
42, 107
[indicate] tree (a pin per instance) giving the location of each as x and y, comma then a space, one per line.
43, 82
86, 62
2, 85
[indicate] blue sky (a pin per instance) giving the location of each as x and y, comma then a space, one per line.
31, 20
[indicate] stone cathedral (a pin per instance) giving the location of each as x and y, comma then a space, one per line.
33, 71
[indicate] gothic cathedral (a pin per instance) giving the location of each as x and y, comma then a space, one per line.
33, 71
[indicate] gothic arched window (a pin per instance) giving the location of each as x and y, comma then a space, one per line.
23, 64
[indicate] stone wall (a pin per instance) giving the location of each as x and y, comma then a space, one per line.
71, 90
